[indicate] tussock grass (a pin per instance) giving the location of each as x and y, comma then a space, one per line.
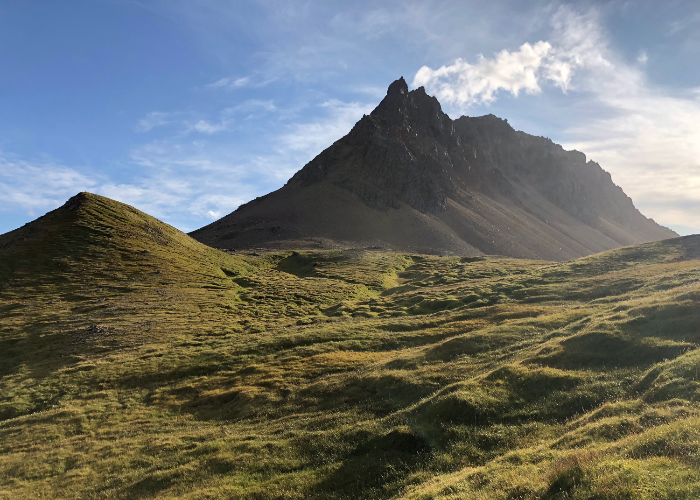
138, 363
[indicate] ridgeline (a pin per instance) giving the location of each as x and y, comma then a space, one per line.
409, 178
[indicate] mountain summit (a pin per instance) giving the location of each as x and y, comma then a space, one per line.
408, 177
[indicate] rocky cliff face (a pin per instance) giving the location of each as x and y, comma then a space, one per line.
397, 154
476, 175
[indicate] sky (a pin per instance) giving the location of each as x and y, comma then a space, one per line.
187, 108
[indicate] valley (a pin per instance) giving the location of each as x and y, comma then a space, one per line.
139, 363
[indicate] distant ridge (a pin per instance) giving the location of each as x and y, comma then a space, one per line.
409, 178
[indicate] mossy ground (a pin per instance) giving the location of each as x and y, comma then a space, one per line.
137, 363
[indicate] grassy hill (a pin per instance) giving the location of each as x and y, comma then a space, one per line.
138, 363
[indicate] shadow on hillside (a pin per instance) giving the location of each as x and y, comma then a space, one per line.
605, 350
39, 354
40, 351
10, 357
377, 467
650, 335
301, 266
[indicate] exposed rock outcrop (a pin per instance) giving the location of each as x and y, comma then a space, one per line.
408, 177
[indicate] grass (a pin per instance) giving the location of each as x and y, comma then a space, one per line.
138, 363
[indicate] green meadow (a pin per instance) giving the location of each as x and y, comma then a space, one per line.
136, 362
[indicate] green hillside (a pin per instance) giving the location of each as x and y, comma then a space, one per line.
138, 363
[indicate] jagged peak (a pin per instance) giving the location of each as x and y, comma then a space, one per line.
401, 104
398, 87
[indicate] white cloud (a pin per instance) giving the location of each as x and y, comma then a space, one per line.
576, 43
464, 84
647, 139
681, 24
186, 181
226, 117
642, 58
651, 144
251, 81
197, 180
205, 127
188, 125
233, 83
373, 91
179, 183
38, 186
216, 179
252, 105
310, 138
154, 119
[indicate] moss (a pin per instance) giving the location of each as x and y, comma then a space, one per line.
136, 362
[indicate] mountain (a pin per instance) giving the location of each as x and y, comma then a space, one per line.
409, 178
138, 363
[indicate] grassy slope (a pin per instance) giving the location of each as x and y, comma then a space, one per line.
137, 363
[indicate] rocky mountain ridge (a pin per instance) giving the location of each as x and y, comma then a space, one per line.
408, 177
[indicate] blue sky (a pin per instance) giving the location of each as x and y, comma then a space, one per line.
188, 108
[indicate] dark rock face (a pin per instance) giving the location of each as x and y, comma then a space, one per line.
408, 155
409, 151
394, 155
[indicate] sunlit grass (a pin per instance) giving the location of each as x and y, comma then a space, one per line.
138, 363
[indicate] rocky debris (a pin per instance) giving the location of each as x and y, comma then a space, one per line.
97, 330
89, 335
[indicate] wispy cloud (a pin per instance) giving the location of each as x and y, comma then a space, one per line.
38, 186
233, 83
155, 119
253, 105
183, 184
186, 125
648, 139
682, 24
651, 144
206, 127
201, 180
250, 81
374, 91
310, 138
182, 123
